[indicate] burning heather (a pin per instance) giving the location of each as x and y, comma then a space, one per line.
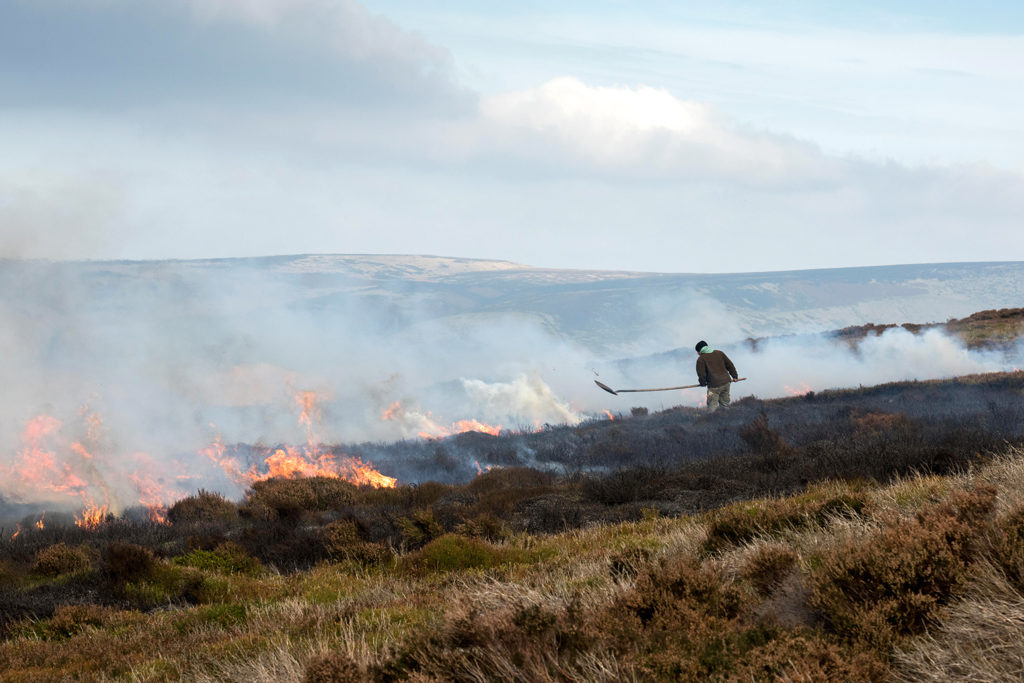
88, 476
424, 426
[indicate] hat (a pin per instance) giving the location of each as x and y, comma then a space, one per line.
700, 345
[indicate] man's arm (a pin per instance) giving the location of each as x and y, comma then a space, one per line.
730, 367
702, 371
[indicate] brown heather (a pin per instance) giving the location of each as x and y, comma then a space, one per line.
836, 541
204, 506
61, 558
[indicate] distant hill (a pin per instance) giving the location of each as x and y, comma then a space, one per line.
984, 329
618, 311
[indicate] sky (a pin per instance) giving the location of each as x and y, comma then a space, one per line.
650, 135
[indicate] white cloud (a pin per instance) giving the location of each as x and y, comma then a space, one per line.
644, 129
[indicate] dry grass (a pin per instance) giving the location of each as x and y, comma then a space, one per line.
981, 637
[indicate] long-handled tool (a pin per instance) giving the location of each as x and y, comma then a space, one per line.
623, 391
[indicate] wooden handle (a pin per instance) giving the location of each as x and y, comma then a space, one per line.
688, 386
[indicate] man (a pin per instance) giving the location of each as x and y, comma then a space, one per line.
716, 372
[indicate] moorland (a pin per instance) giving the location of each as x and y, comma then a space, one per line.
867, 533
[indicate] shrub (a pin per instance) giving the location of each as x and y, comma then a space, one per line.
226, 558
768, 566
165, 584
61, 558
681, 620
638, 411
333, 667
452, 552
880, 423
625, 486
1008, 545
628, 563
284, 545
522, 642
510, 478
70, 619
891, 584
486, 526
741, 522
123, 562
420, 529
550, 514
343, 541
762, 439
284, 498
204, 506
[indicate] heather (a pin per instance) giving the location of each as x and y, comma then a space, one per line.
866, 534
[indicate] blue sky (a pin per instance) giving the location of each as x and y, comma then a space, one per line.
663, 136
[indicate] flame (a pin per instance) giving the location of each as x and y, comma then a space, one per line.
40, 524
49, 466
152, 494
292, 461
460, 427
481, 469
91, 517
427, 428
803, 389
17, 532
609, 414
358, 472
392, 412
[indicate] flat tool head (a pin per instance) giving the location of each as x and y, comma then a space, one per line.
606, 388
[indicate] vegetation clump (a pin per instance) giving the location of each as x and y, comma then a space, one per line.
61, 558
226, 558
333, 667
890, 584
204, 506
291, 498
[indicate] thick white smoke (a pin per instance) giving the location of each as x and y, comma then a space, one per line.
145, 367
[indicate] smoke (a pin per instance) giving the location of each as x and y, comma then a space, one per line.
143, 371
36, 225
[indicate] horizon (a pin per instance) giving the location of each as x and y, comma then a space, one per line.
370, 256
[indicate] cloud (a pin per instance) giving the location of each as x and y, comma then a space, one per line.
278, 54
647, 130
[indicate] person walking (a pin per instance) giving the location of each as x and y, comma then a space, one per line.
716, 372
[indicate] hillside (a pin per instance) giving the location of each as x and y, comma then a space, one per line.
833, 535
982, 330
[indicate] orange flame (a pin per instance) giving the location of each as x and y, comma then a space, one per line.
152, 494
481, 469
291, 461
609, 414
91, 517
17, 532
310, 410
51, 467
40, 524
460, 427
392, 412
798, 391
429, 429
